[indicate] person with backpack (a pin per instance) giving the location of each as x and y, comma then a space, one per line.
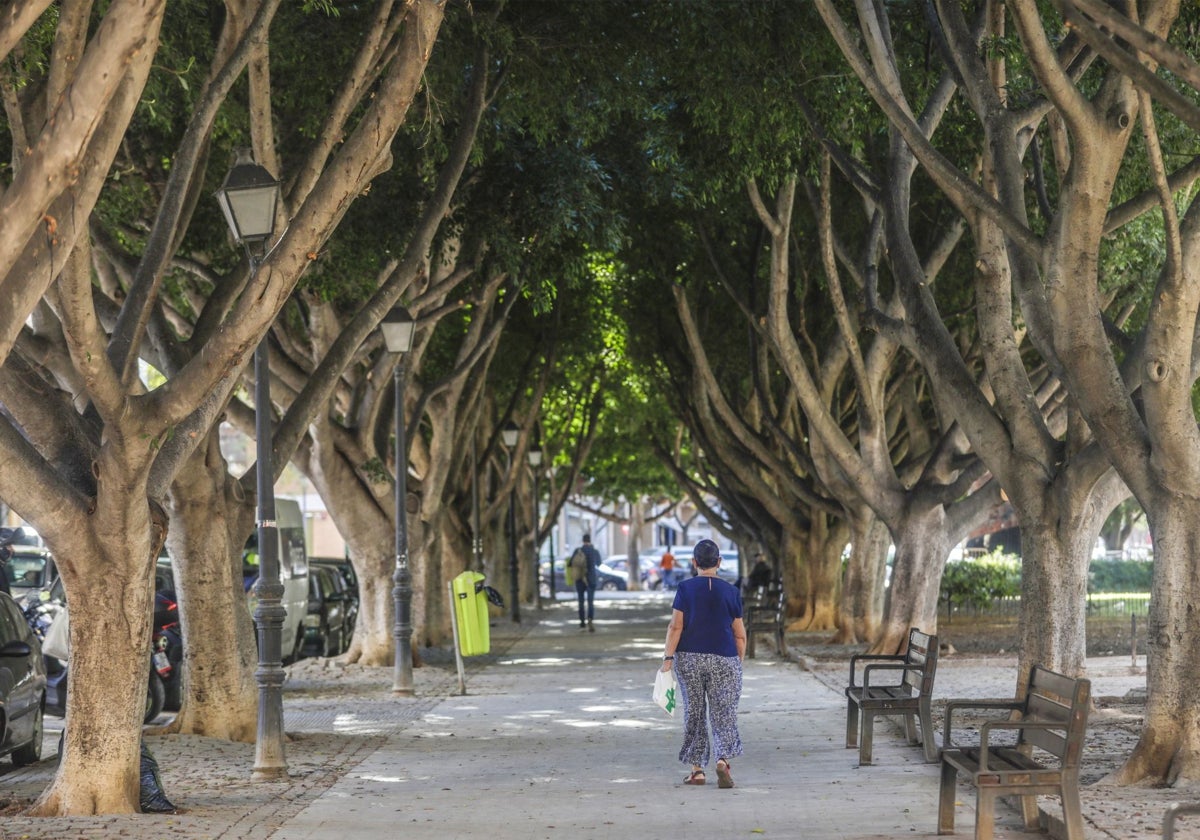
583, 565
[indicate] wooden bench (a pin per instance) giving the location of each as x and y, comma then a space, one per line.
909, 698
1043, 760
763, 613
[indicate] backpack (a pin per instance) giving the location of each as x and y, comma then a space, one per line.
579, 565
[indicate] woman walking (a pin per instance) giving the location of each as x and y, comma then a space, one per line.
706, 642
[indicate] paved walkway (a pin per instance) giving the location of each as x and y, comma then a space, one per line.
556, 738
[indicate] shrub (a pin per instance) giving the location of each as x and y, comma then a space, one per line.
979, 581
1117, 575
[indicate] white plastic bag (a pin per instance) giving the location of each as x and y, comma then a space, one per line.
666, 691
58, 637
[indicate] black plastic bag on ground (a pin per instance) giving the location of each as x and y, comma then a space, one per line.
150, 796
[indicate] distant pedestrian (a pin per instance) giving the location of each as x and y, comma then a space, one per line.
585, 584
706, 642
667, 567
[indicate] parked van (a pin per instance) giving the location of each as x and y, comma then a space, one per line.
293, 574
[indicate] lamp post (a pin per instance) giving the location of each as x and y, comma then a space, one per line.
535, 463
509, 435
248, 197
398, 330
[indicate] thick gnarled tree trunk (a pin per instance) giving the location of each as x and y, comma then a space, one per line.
1169, 748
922, 548
220, 655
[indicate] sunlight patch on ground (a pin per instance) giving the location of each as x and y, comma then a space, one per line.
582, 690
353, 725
373, 778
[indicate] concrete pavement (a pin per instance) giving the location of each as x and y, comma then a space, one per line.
557, 737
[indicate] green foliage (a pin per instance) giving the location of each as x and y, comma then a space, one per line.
1117, 575
976, 582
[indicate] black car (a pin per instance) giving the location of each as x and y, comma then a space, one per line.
325, 632
346, 569
22, 687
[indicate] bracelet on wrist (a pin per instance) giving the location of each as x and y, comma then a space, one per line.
668, 658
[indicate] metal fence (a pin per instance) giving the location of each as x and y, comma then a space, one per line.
1100, 604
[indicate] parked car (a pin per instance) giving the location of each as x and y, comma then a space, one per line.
606, 578
346, 569
325, 632
22, 687
293, 574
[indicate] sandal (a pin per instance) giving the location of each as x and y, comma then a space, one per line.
696, 777
724, 780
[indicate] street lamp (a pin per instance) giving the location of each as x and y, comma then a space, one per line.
535, 463
398, 331
248, 197
509, 435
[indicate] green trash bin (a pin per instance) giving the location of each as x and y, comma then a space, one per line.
471, 614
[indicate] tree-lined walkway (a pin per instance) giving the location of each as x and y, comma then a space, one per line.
559, 738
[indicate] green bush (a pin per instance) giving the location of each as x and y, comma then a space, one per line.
1117, 575
977, 582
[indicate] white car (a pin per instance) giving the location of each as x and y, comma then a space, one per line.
293, 574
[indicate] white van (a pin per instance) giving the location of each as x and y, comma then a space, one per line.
293, 574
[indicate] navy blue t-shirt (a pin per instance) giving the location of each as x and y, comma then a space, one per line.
709, 606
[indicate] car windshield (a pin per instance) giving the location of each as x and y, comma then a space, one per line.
27, 569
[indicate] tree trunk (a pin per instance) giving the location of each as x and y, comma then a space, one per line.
921, 551
370, 536
862, 591
823, 573
205, 543
110, 606
1169, 748
1053, 601
373, 640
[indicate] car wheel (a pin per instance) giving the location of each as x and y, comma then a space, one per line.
32, 752
609, 586
156, 697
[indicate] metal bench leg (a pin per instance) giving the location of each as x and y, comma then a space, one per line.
985, 813
910, 728
866, 738
946, 799
1072, 815
851, 724
749, 644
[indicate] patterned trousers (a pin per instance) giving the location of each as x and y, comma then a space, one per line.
711, 686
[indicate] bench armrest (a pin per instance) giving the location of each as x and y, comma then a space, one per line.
885, 666
1010, 705
985, 732
873, 657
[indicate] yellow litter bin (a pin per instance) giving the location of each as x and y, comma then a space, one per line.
471, 614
